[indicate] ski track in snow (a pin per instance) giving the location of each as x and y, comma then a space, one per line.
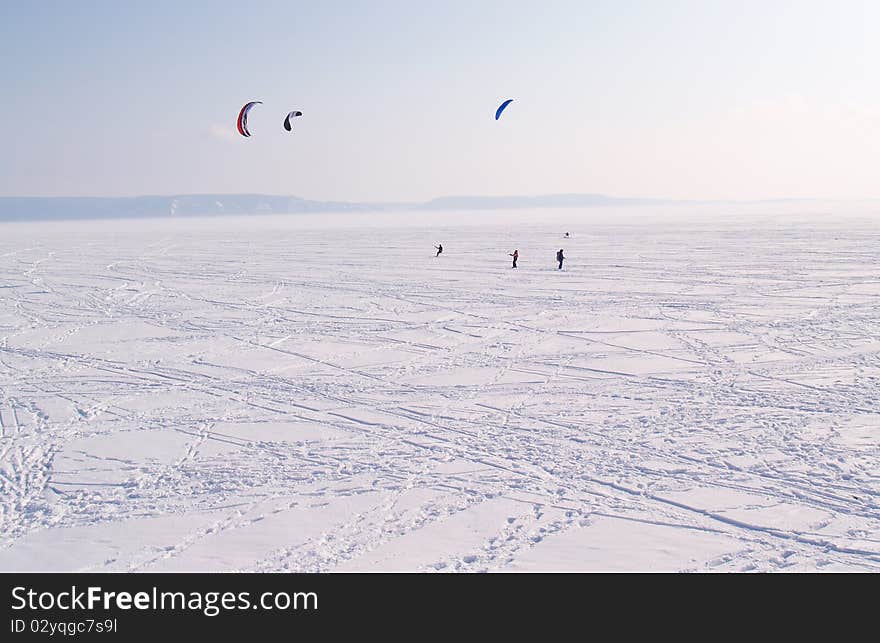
322, 393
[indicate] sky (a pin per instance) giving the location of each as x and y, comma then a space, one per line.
683, 99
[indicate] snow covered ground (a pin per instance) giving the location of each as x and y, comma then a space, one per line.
320, 393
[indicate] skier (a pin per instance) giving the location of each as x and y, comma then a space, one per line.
559, 258
439, 250
515, 256
566, 235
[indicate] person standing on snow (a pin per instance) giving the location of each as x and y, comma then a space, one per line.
515, 256
559, 258
439, 250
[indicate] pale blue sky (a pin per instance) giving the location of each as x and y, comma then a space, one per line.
679, 99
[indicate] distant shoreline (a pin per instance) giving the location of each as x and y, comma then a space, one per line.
200, 205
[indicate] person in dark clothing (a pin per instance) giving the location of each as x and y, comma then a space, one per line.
515, 256
559, 258
439, 250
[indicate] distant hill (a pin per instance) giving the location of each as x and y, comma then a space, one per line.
190, 205
544, 201
58, 208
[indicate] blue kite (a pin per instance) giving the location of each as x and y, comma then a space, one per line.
501, 108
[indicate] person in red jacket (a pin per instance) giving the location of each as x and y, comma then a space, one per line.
515, 256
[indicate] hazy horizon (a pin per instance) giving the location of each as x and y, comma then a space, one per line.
685, 100
435, 198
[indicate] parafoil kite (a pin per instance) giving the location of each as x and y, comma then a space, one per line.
501, 108
287, 124
242, 117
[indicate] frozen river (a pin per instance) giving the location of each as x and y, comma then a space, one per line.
314, 393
